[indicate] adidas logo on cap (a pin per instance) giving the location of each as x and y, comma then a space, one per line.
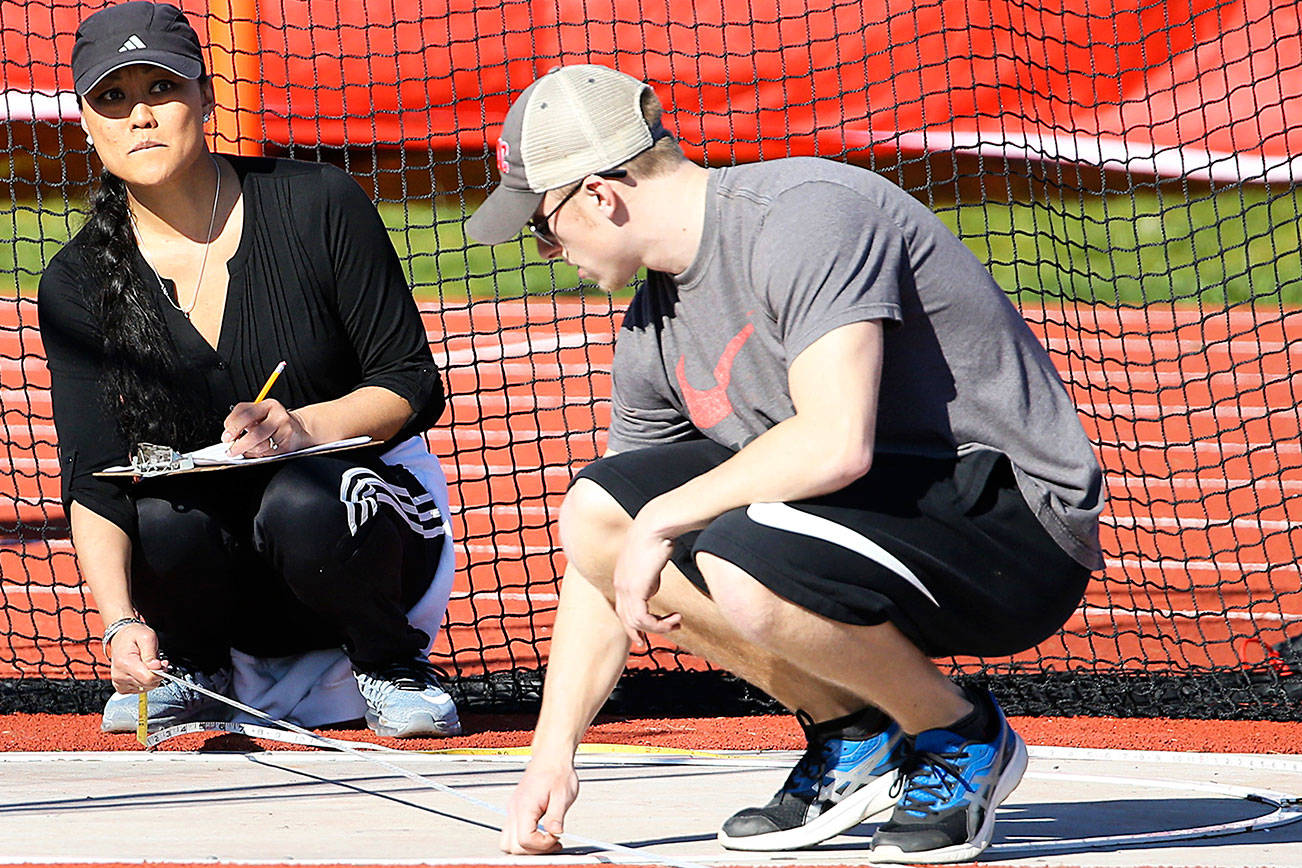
133, 43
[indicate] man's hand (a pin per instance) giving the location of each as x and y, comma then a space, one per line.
262, 429
543, 796
637, 578
135, 665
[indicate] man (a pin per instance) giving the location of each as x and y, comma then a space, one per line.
835, 451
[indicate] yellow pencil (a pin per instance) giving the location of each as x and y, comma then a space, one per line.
271, 381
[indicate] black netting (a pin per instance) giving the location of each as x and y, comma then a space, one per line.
1127, 169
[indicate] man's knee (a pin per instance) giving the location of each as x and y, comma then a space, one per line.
751, 609
592, 527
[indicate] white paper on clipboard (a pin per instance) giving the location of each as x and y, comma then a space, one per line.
215, 457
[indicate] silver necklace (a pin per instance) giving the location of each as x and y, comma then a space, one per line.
203, 263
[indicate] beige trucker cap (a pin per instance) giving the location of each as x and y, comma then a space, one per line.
573, 122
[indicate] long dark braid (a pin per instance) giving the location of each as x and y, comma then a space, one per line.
145, 383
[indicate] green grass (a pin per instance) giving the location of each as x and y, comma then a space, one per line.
30, 233
1217, 249
443, 265
1233, 247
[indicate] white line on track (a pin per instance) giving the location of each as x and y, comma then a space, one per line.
1203, 566
1115, 614
1277, 809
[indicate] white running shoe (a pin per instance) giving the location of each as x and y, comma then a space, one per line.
170, 703
406, 700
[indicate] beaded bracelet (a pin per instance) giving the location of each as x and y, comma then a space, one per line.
113, 629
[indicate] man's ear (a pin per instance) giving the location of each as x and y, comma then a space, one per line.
603, 194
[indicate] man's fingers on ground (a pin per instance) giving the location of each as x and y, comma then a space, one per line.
543, 842
532, 842
553, 822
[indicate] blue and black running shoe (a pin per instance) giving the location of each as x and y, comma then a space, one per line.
949, 789
845, 776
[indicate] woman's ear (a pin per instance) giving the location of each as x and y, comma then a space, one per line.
209, 98
90, 142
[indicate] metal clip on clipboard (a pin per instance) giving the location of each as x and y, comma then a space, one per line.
149, 459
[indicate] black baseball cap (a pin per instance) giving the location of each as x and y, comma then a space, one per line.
135, 32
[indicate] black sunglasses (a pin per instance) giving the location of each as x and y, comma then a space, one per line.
540, 224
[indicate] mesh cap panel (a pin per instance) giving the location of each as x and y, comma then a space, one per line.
580, 120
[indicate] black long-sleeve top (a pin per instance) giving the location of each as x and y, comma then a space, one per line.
315, 281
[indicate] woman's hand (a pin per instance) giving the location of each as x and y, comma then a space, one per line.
135, 663
262, 429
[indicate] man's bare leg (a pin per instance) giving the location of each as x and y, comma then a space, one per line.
592, 529
876, 663
841, 675
802, 659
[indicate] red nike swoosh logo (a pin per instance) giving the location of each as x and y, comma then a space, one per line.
708, 407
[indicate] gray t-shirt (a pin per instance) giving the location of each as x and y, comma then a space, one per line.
795, 248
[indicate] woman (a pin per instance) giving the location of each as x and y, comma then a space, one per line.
194, 275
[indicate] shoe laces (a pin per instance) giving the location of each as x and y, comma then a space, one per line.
810, 772
414, 675
194, 677
930, 778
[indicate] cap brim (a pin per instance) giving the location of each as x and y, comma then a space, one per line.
503, 215
186, 67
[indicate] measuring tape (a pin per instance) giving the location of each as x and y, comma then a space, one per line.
365, 751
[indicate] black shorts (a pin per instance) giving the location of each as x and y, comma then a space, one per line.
946, 550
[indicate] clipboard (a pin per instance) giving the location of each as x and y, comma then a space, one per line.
213, 458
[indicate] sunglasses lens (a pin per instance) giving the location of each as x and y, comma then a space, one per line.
538, 226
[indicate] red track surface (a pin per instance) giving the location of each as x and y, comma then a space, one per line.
1195, 418
56, 732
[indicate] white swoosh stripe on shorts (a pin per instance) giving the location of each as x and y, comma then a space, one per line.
783, 516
